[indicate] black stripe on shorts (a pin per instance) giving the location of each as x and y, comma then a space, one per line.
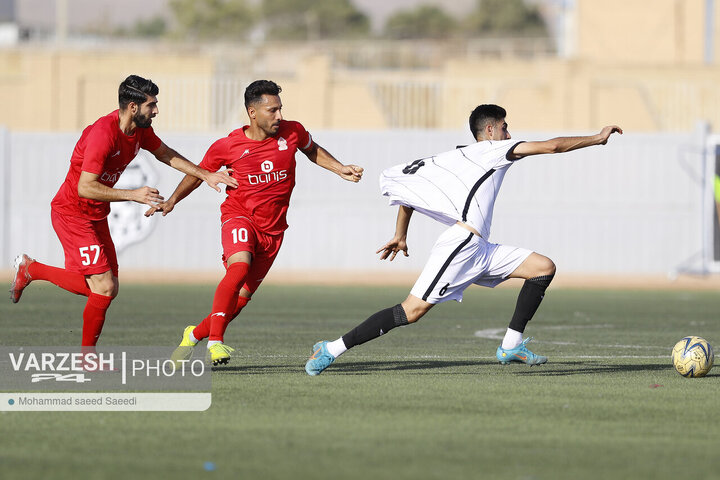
445, 266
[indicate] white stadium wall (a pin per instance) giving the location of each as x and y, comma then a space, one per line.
631, 207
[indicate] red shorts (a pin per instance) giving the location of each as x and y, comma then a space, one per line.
88, 247
239, 234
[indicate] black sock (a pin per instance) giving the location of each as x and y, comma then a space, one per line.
531, 294
376, 325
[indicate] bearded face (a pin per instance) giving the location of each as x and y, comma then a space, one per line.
146, 112
142, 120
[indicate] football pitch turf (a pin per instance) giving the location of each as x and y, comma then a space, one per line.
424, 401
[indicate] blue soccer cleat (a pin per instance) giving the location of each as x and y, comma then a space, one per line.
519, 354
320, 359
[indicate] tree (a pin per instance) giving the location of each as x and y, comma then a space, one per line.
425, 21
151, 28
213, 19
312, 19
154, 27
505, 17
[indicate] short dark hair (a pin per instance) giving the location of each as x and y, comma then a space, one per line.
483, 115
135, 89
258, 88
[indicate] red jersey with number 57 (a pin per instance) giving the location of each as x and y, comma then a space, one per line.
265, 171
103, 149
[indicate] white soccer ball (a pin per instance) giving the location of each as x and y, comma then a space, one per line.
693, 357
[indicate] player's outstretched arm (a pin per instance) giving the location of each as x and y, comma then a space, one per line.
564, 144
323, 158
89, 187
184, 188
399, 242
172, 158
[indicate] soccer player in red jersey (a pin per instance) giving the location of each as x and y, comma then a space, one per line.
262, 158
80, 208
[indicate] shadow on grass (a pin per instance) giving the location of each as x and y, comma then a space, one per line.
354, 368
588, 368
409, 365
258, 369
447, 366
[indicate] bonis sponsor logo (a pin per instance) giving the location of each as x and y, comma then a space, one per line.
267, 177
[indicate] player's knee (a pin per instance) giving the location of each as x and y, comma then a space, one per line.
543, 274
545, 267
107, 287
550, 267
109, 291
414, 311
106, 292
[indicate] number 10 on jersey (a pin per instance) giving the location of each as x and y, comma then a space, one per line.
240, 235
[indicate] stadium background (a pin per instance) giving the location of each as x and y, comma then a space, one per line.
640, 206
430, 401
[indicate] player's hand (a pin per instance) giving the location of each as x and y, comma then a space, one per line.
151, 211
147, 195
351, 173
391, 249
165, 208
607, 131
213, 178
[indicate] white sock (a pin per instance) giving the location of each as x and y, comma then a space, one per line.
213, 342
337, 347
192, 338
512, 339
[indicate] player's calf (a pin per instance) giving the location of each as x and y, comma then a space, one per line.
325, 353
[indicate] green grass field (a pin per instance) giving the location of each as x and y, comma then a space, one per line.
425, 401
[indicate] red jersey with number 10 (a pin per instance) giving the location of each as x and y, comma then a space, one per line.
103, 149
265, 171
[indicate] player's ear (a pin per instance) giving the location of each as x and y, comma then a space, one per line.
489, 130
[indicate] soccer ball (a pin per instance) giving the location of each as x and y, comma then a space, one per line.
692, 357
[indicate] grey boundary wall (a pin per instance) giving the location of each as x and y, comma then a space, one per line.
633, 206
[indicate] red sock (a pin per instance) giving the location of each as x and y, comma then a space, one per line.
203, 328
241, 302
71, 281
225, 301
94, 318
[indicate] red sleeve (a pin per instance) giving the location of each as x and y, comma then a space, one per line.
149, 140
216, 156
304, 138
98, 147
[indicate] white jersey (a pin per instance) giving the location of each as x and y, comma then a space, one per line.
459, 185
